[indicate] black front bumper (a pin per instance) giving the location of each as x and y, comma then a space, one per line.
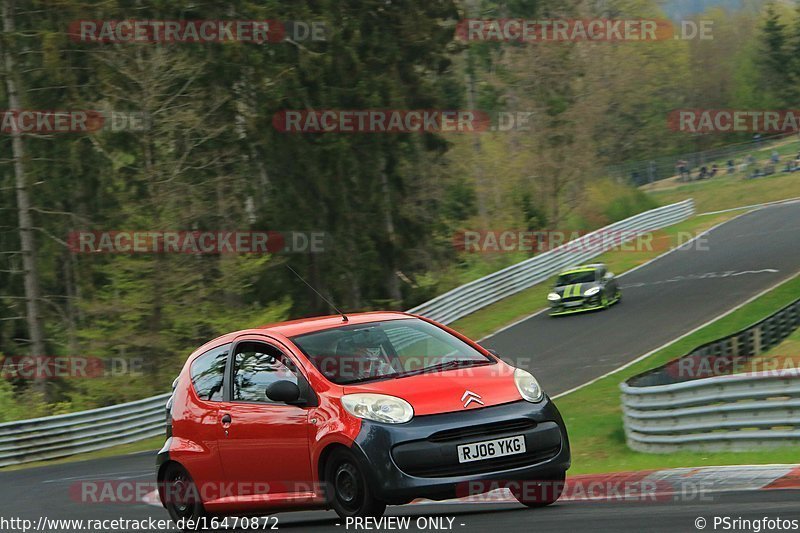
580, 303
419, 458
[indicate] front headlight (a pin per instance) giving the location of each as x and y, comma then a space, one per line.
378, 407
592, 291
553, 297
528, 386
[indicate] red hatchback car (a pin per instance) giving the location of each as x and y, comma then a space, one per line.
353, 414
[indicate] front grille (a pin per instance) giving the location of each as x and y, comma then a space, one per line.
489, 465
437, 454
482, 430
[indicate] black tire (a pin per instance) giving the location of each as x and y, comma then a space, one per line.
347, 489
538, 493
181, 497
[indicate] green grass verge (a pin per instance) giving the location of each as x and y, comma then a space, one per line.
593, 414
493, 317
788, 348
732, 191
784, 356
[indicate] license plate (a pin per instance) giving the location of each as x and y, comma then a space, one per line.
573, 304
489, 449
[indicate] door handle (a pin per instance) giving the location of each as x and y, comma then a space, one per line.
226, 419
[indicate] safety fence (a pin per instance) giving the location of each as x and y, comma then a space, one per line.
705, 401
51, 437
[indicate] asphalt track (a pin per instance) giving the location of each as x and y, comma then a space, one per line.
662, 300
36, 492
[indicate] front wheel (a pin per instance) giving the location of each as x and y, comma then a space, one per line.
540, 493
347, 488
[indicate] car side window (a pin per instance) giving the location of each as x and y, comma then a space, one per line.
257, 365
208, 373
601, 273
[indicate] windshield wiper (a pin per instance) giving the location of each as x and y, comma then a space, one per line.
446, 365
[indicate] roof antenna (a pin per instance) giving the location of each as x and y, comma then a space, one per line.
344, 316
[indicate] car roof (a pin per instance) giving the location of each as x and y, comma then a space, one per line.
308, 325
300, 326
583, 268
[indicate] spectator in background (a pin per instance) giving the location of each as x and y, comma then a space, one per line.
683, 168
679, 169
775, 157
714, 170
745, 163
731, 166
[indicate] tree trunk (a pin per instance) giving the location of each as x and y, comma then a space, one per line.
26, 237
476, 147
392, 281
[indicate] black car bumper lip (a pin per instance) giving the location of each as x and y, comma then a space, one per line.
576, 305
419, 458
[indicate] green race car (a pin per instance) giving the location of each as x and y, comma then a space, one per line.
583, 288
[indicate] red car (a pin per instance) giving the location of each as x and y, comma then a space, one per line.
354, 413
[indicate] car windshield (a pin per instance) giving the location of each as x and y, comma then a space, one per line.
381, 350
587, 276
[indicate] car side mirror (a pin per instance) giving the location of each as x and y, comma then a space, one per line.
283, 391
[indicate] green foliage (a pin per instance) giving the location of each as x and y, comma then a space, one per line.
626, 202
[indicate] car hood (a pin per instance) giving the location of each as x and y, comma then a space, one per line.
576, 289
442, 392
